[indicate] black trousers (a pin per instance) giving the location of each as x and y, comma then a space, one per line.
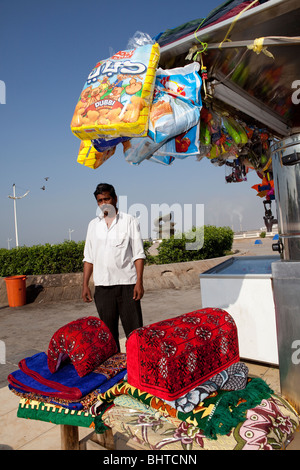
116, 303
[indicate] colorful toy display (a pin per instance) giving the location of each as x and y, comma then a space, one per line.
221, 136
226, 140
266, 188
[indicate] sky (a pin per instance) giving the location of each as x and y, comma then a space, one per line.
47, 50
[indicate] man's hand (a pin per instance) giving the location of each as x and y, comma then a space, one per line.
86, 294
138, 290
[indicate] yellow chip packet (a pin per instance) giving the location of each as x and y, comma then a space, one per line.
117, 95
90, 157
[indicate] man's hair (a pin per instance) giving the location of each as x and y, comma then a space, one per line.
105, 188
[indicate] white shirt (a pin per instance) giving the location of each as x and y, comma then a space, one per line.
113, 250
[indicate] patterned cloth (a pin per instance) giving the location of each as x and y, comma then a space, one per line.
268, 426
171, 357
221, 411
87, 342
233, 378
50, 413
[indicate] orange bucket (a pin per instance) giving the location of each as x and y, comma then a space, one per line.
16, 290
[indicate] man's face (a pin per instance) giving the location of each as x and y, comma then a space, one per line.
107, 204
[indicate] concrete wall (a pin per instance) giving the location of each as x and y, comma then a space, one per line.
64, 287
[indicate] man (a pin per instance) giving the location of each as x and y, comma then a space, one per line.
114, 254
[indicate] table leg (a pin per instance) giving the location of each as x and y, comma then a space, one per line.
105, 440
69, 437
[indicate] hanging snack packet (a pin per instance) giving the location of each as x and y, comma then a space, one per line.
139, 149
171, 115
183, 145
163, 160
186, 82
117, 95
175, 110
101, 145
182, 81
90, 157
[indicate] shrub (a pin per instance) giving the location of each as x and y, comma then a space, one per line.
65, 257
212, 241
150, 259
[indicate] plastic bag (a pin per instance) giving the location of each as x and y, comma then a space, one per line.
117, 95
139, 39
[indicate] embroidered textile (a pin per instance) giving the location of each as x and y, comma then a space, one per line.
171, 357
87, 342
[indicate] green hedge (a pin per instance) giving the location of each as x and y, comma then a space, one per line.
67, 257
199, 243
42, 259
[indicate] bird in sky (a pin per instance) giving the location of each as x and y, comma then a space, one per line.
43, 188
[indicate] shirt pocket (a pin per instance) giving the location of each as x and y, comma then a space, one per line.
120, 241
118, 250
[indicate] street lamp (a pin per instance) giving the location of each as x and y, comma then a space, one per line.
70, 231
14, 197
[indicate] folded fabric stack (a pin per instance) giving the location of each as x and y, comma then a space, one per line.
186, 384
82, 361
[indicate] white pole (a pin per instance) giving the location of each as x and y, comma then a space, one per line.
70, 231
14, 197
15, 215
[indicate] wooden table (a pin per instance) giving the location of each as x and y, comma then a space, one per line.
70, 438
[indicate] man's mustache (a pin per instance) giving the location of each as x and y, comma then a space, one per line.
108, 209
